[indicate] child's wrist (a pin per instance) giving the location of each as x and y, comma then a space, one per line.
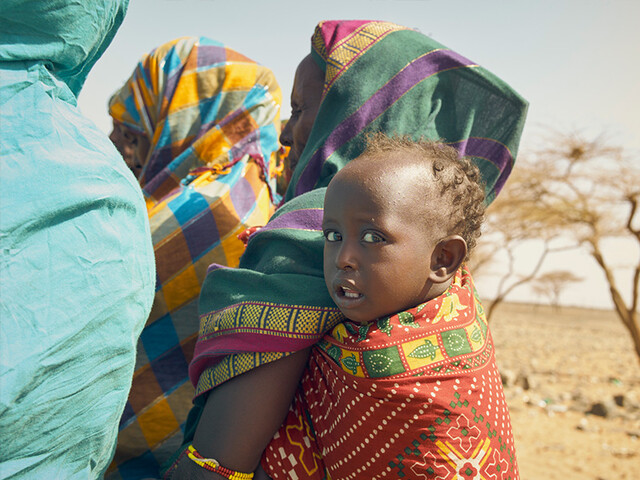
213, 466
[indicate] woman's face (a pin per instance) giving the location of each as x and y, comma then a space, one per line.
124, 146
133, 147
305, 102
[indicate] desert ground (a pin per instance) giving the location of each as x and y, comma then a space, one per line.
572, 382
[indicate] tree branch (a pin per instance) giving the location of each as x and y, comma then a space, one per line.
633, 200
618, 301
503, 294
634, 288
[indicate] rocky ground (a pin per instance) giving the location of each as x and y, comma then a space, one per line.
572, 381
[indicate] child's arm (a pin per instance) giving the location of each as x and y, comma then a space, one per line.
241, 416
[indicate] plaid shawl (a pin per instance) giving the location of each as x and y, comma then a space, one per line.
378, 77
413, 395
212, 116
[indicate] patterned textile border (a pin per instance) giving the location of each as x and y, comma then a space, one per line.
443, 351
233, 365
292, 321
345, 51
273, 331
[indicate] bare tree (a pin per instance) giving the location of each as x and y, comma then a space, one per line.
595, 190
579, 192
552, 284
513, 220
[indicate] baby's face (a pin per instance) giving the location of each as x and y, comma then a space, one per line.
377, 253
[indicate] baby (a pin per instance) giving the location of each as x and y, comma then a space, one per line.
398, 223
407, 386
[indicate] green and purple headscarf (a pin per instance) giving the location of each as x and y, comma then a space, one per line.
384, 77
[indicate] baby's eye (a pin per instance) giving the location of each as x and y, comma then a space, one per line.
372, 237
332, 236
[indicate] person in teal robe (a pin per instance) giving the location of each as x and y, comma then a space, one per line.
77, 273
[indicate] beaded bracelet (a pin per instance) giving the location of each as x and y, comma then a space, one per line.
214, 466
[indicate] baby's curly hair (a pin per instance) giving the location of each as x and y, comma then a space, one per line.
459, 179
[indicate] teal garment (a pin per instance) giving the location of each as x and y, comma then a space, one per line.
77, 272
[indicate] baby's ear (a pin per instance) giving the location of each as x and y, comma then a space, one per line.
447, 257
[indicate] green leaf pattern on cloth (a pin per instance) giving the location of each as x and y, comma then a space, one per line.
384, 325
334, 352
350, 328
408, 320
476, 335
362, 332
383, 362
351, 363
428, 349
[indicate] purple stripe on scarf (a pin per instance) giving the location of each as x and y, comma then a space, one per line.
232, 115
160, 158
306, 219
172, 81
215, 266
157, 179
489, 149
421, 68
242, 197
201, 233
205, 129
249, 145
146, 77
268, 340
209, 55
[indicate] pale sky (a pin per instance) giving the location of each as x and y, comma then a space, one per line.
575, 61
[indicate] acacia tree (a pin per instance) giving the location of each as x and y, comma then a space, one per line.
551, 285
577, 193
513, 220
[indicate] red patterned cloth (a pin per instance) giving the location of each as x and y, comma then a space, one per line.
416, 396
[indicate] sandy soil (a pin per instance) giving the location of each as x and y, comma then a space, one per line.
556, 366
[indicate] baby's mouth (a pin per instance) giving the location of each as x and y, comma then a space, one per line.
348, 293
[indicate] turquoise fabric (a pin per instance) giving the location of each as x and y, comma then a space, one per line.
77, 272
67, 37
